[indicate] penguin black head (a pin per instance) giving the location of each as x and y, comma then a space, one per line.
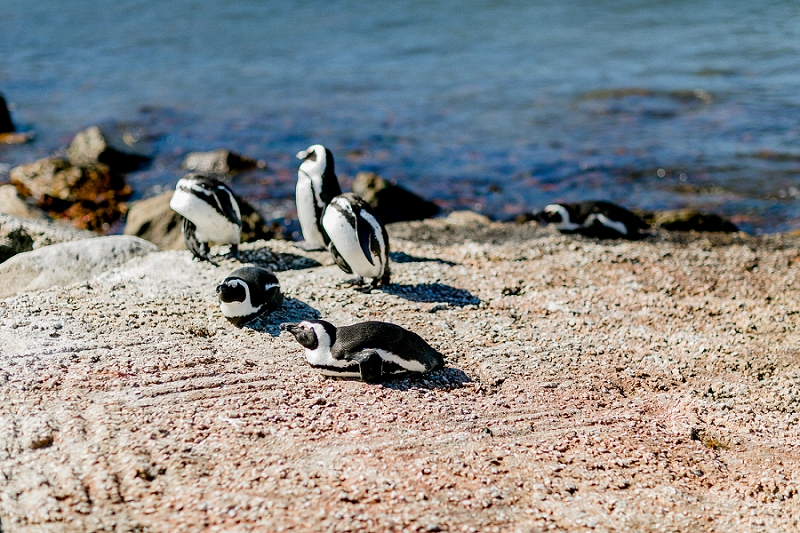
247, 293
231, 290
317, 161
553, 214
312, 334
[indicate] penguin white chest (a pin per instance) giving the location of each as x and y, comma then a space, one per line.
211, 224
306, 211
344, 237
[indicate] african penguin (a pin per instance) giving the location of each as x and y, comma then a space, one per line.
358, 239
367, 350
210, 214
602, 220
247, 293
317, 185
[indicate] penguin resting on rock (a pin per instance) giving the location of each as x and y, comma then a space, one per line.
247, 293
317, 185
210, 214
602, 220
370, 351
358, 239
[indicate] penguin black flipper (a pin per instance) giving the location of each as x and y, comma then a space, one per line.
370, 365
227, 203
198, 249
338, 259
366, 238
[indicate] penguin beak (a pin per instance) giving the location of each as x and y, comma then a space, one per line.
290, 327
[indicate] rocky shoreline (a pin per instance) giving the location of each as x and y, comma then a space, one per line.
607, 386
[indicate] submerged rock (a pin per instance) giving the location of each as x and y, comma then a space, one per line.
69, 262
392, 202
11, 203
218, 162
92, 146
92, 197
689, 220
6, 125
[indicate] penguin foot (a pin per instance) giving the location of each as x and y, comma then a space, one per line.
309, 247
234, 252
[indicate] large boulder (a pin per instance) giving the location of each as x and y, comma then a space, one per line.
68, 263
218, 162
11, 203
392, 202
154, 220
92, 146
690, 220
92, 197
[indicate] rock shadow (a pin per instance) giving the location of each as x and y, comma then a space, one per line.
277, 262
443, 379
291, 311
402, 257
432, 293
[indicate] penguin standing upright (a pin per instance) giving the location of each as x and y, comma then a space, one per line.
317, 185
367, 350
358, 239
210, 214
247, 293
602, 220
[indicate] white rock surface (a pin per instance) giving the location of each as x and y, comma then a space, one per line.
68, 263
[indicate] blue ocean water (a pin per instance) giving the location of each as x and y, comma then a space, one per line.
499, 106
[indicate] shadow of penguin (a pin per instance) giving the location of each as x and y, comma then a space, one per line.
290, 311
402, 257
446, 378
276, 262
432, 293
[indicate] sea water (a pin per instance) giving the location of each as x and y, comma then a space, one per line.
497, 106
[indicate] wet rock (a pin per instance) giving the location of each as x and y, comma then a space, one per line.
218, 161
689, 220
69, 262
153, 220
8, 133
15, 242
92, 146
392, 202
92, 197
11, 203
6, 125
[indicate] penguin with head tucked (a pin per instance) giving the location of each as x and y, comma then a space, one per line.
210, 214
248, 293
370, 350
358, 239
317, 185
601, 220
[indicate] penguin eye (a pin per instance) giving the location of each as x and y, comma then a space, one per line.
312, 156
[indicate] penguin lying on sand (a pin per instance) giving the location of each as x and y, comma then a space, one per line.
602, 220
210, 214
317, 185
358, 239
247, 293
370, 351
